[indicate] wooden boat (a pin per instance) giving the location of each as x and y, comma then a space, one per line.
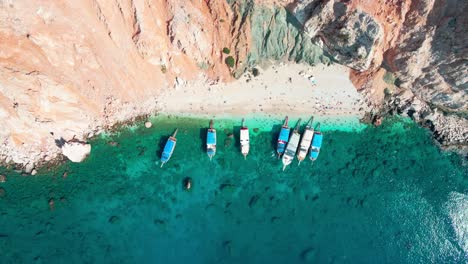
305, 141
244, 139
283, 138
211, 141
292, 146
169, 148
316, 144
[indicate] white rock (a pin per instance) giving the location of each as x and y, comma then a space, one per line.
33, 172
76, 151
148, 124
29, 168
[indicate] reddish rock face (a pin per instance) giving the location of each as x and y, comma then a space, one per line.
70, 67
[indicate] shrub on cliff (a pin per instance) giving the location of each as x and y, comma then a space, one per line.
230, 61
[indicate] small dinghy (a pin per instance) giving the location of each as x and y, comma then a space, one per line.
244, 139
305, 141
283, 138
316, 144
292, 146
169, 148
211, 141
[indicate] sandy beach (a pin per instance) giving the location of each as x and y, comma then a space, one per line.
282, 89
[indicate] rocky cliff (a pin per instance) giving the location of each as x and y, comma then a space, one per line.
70, 68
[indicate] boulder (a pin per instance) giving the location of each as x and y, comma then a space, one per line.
148, 124
76, 151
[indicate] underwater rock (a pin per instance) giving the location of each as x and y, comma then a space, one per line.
227, 187
3, 178
253, 200
308, 255
51, 204
227, 142
187, 183
158, 221
256, 130
113, 143
76, 151
2, 192
114, 219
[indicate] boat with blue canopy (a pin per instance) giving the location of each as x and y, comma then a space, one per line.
169, 148
316, 144
283, 138
292, 146
211, 141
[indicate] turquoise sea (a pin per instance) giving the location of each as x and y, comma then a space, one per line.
375, 195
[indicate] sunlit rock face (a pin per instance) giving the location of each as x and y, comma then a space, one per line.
70, 68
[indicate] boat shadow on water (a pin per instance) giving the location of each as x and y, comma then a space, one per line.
236, 134
202, 135
275, 131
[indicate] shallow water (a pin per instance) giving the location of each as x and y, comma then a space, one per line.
380, 195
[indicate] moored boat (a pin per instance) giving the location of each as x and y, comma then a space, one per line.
283, 138
292, 146
244, 139
169, 148
316, 144
211, 141
305, 141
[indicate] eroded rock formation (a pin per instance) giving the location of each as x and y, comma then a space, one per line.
75, 67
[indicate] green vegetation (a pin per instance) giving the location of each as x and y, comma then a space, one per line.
389, 78
230, 61
226, 50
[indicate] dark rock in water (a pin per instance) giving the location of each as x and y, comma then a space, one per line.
230, 135
253, 200
187, 183
226, 131
113, 143
309, 255
275, 219
3, 178
114, 219
227, 246
2, 192
256, 130
227, 142
158, 221
226, 186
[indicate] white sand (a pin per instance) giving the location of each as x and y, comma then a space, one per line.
277, 91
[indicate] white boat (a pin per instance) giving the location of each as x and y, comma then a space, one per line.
291, 148
305, 141
211, 141
244, 139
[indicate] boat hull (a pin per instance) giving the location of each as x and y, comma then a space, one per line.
168, 150
211, 143
315, 146
282, 140
291, 149
244, 141
304, 146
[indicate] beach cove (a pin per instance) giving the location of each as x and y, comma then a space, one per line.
370, 197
